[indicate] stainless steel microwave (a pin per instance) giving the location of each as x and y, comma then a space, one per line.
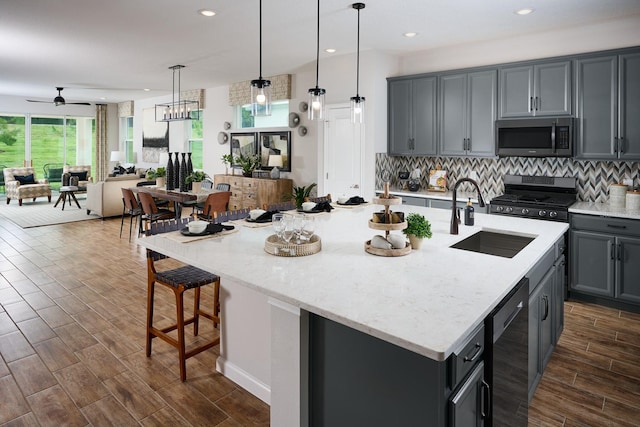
535, 137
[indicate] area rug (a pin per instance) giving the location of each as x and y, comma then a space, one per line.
41, 212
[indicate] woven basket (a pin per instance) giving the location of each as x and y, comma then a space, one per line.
275, 246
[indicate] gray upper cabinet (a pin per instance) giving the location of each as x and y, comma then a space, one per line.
536, 90
412, 116
468, 106
608, 107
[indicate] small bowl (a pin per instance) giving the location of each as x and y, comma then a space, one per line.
197, 227
307, 206
255, 213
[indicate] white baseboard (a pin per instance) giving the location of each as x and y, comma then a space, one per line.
244, 380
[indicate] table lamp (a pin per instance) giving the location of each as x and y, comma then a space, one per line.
275, 161
118, 157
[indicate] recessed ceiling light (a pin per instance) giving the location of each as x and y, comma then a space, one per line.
330, 50
146, 90
410, 34
523, 12
103, 98
206, 12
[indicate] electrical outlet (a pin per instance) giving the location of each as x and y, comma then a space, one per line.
628, 182
473, 175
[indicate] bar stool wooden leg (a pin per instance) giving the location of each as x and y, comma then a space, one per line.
181, 350
150, 292
196, 311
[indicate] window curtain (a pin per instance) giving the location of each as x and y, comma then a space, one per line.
102, 158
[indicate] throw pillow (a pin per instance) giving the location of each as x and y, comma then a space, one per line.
26, 179
131, 169
82, 176
121, 170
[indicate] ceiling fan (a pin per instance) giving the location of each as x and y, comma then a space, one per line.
59, 100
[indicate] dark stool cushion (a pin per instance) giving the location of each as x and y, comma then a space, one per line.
188, 276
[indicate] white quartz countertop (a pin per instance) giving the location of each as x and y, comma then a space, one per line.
603, 209
428, 301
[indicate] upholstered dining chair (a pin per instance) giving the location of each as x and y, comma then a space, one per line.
216, 202
151, 211
223, 186
179, 280
131, 207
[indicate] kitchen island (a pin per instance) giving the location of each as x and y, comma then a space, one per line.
428, 302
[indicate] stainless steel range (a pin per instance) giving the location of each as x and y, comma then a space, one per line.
540, 197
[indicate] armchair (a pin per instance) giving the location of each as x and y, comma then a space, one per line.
83, 172
29, 188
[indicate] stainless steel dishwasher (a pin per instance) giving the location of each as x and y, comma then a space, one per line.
506, 358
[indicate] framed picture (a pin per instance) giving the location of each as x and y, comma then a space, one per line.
245, 143
155, 136
275, 144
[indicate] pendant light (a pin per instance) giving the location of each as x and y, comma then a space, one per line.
316, 94
178, 108
357, 102
260, 88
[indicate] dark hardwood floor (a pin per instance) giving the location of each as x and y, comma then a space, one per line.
72, 320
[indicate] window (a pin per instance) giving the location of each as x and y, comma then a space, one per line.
195, 141
127, 130
12, 140
279, 116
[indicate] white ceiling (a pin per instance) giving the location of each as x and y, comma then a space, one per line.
115, 48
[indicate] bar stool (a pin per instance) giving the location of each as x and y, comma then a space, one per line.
179, 280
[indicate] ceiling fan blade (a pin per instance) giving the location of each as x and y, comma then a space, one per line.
33, 100
78, 103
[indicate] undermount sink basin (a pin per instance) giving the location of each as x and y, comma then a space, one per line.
493, 243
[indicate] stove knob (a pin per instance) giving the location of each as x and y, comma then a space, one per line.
542, 213
508, 209
499, 208
525, 211
553, 214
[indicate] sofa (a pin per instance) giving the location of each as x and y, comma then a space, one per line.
104, 198
21, 183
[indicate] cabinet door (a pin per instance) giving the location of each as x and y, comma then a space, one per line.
535, 372
592, 263
596, 107
453, 114
465, 407
399, 117
482, 107
558, 298
546, 318
629, 134
628, 268
552, 89
424, 116
516, 92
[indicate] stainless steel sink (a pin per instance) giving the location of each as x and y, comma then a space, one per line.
494, 243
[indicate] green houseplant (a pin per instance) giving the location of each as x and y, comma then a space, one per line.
418, 228
301, 193
195, 178
248, 163
227, 160
158, 175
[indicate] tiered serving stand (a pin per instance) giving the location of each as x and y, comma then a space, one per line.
387, 201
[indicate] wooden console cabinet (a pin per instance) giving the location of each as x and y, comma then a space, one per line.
254, 192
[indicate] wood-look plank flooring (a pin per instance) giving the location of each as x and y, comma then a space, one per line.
72, 321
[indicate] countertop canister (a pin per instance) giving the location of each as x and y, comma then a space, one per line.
617, 195
633, 200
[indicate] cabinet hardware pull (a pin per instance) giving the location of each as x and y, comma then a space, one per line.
475, 354
468, 144
615, 144
621, 145
622, 227
530, 103
545, 298
537, 104
612, 249
486, 399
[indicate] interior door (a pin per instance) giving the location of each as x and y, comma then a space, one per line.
342, 153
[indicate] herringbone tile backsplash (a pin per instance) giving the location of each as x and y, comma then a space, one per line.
594, 177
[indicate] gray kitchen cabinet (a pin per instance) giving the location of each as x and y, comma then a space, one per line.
605, 260
608, 107
560, 283
412, 116
468, 107
465, 407
536, 90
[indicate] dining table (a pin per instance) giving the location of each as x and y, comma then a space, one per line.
177, 197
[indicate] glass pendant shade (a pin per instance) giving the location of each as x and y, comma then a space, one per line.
357, 109
260, 97
316, 104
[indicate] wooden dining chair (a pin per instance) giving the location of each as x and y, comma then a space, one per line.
216, 202
179, 280
151, 211
132, 208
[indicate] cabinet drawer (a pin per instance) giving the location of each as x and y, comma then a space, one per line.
536, 274
605, 224
468, 356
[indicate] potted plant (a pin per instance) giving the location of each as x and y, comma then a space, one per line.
248, 163
300, 194
227, 159
159, 175
195, 178
418, 228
